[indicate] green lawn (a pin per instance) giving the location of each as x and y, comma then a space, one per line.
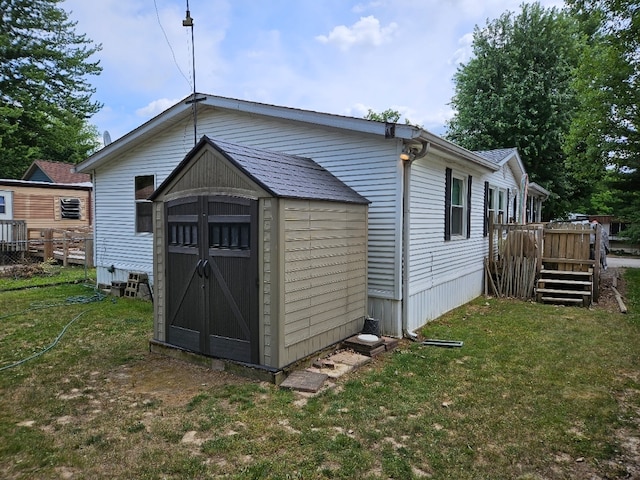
536, 392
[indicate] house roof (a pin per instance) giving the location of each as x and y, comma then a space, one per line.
499, 155
282, 175
184, 109
539, 190
5, 182
502, 156
55, 172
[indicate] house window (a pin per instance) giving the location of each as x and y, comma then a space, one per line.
457, 219
501, 204
3, 204
70, 208
144, 186
457, 206
491, 207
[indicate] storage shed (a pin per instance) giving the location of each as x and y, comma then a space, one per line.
260, 257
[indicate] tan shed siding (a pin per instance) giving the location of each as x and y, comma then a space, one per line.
160, 297
267, 286
325, 274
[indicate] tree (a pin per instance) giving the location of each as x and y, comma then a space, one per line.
45, 98
516, 92
389, 115
606, 127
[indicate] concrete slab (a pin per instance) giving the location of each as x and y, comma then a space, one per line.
304, 381
350, 358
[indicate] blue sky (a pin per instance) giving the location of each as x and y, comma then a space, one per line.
336, 56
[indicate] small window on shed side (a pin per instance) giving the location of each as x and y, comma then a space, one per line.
3, 204
70, 209
144, 186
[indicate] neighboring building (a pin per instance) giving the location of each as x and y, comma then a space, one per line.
45, 205
429, 197
54, 172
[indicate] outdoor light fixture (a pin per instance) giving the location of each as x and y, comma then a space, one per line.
405, 156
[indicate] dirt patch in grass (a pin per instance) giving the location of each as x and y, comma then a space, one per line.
172, 382
607, 299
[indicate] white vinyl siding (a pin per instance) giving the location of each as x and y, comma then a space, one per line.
445, 274
368, 164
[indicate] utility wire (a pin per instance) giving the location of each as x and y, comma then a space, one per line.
155, 4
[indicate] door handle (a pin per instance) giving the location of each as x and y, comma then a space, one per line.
205, 268
199, 268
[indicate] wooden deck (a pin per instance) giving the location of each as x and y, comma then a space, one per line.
71, 247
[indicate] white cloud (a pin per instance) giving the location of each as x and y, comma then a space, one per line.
155, 107
366, 31
401, 56
363, 7
465, 52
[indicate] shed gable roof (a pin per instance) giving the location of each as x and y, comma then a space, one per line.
280, 174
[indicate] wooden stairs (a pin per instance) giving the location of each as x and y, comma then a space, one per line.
565, 287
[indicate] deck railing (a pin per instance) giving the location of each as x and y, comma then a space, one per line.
13, 236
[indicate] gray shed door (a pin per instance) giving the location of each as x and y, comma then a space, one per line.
212, 276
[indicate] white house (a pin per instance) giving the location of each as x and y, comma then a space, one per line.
429, 197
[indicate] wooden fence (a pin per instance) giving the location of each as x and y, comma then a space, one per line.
67, 246
527, 261
514, 259
13, 235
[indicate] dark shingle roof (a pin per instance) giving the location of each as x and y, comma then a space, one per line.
281, 174
497, 155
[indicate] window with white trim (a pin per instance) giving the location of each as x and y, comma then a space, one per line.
3, 204
457, 206
144, 187
457, 215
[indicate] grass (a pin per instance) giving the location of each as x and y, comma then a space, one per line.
536, 392
42, 274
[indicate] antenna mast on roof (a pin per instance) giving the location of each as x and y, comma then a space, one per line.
188, 22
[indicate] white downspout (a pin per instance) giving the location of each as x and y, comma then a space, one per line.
408, 157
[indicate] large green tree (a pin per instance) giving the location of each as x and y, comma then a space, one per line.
605, 130
516, 91
45, 96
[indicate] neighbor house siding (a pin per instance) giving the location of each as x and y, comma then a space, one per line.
325, 274
40, 207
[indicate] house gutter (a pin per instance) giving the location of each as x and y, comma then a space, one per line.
408, 156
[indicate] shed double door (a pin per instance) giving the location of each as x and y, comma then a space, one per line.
212, 276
